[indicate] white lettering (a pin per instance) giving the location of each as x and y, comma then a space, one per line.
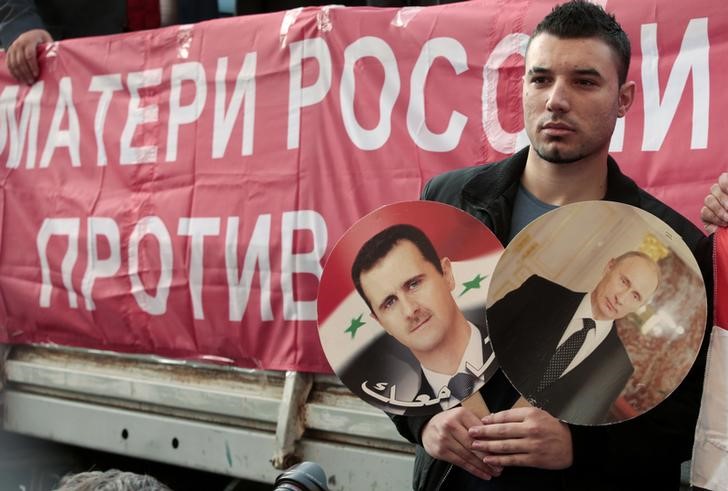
16, 133
152, 304
138, 115
58, 226
69, 138
693, 57
377, 48
179, 115
97, 267
446, 141
300, 97
197, 228
309, 262
257, 253
500, 139
107, 85
224, 120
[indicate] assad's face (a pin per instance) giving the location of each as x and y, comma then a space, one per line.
410, 298
572, 97
625, 287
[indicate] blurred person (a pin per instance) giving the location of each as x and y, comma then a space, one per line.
111, 480
25, 24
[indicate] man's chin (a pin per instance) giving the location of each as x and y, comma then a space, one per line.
556, 156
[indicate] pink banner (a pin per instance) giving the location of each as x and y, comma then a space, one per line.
177, 191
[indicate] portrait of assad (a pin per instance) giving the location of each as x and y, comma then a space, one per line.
408, 288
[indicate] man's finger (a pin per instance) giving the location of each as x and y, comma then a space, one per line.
17, 65
515, 415
31, 59
472, 463
710, 221
712, 212
503, 447
717, 201
498, 431
521, 460
723, 182
25, 68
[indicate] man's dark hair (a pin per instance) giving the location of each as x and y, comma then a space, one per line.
379, 246
111, 480
582, 19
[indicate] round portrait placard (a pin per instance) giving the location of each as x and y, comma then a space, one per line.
596, 312
401, 307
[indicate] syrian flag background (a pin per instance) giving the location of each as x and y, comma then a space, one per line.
347, 331
710, 453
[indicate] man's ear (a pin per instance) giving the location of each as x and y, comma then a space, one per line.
447, 272
626, 98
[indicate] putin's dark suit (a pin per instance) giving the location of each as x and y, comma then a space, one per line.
525, 328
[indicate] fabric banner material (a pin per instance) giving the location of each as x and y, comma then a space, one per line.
176, 191
710, 453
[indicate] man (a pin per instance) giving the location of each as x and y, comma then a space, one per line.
407, 288
560, 348
24, 24
574, 90
110, 480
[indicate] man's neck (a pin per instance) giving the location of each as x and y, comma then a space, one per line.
561, 184
446, 357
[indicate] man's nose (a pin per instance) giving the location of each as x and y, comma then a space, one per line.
409, 307
558, 98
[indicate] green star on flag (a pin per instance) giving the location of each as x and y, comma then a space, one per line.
472, 284
355, 325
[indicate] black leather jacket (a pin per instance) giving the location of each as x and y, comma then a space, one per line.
61, 18
643, 453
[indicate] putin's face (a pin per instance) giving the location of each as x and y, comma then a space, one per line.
626, 286
410, 298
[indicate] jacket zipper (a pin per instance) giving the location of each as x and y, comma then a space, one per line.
442, 481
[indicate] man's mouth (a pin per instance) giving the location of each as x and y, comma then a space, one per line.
555, 128
610, 305
421, 323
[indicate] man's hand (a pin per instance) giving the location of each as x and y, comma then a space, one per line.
526, 436
714, 213
445, 437
22, 57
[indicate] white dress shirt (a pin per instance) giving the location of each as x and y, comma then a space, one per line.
473, 356
593, 338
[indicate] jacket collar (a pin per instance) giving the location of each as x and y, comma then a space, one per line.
492, 181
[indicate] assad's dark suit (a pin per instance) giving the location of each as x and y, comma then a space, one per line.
525, 328
388, 360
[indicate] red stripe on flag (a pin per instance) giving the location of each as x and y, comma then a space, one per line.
721, 277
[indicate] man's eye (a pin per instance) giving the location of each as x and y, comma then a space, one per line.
539, 80
414, 284
388, 304
585, 83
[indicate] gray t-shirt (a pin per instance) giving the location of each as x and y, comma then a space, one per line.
526, 209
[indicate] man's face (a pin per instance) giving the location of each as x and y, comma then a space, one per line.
410, 298
572, 97
625, 287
